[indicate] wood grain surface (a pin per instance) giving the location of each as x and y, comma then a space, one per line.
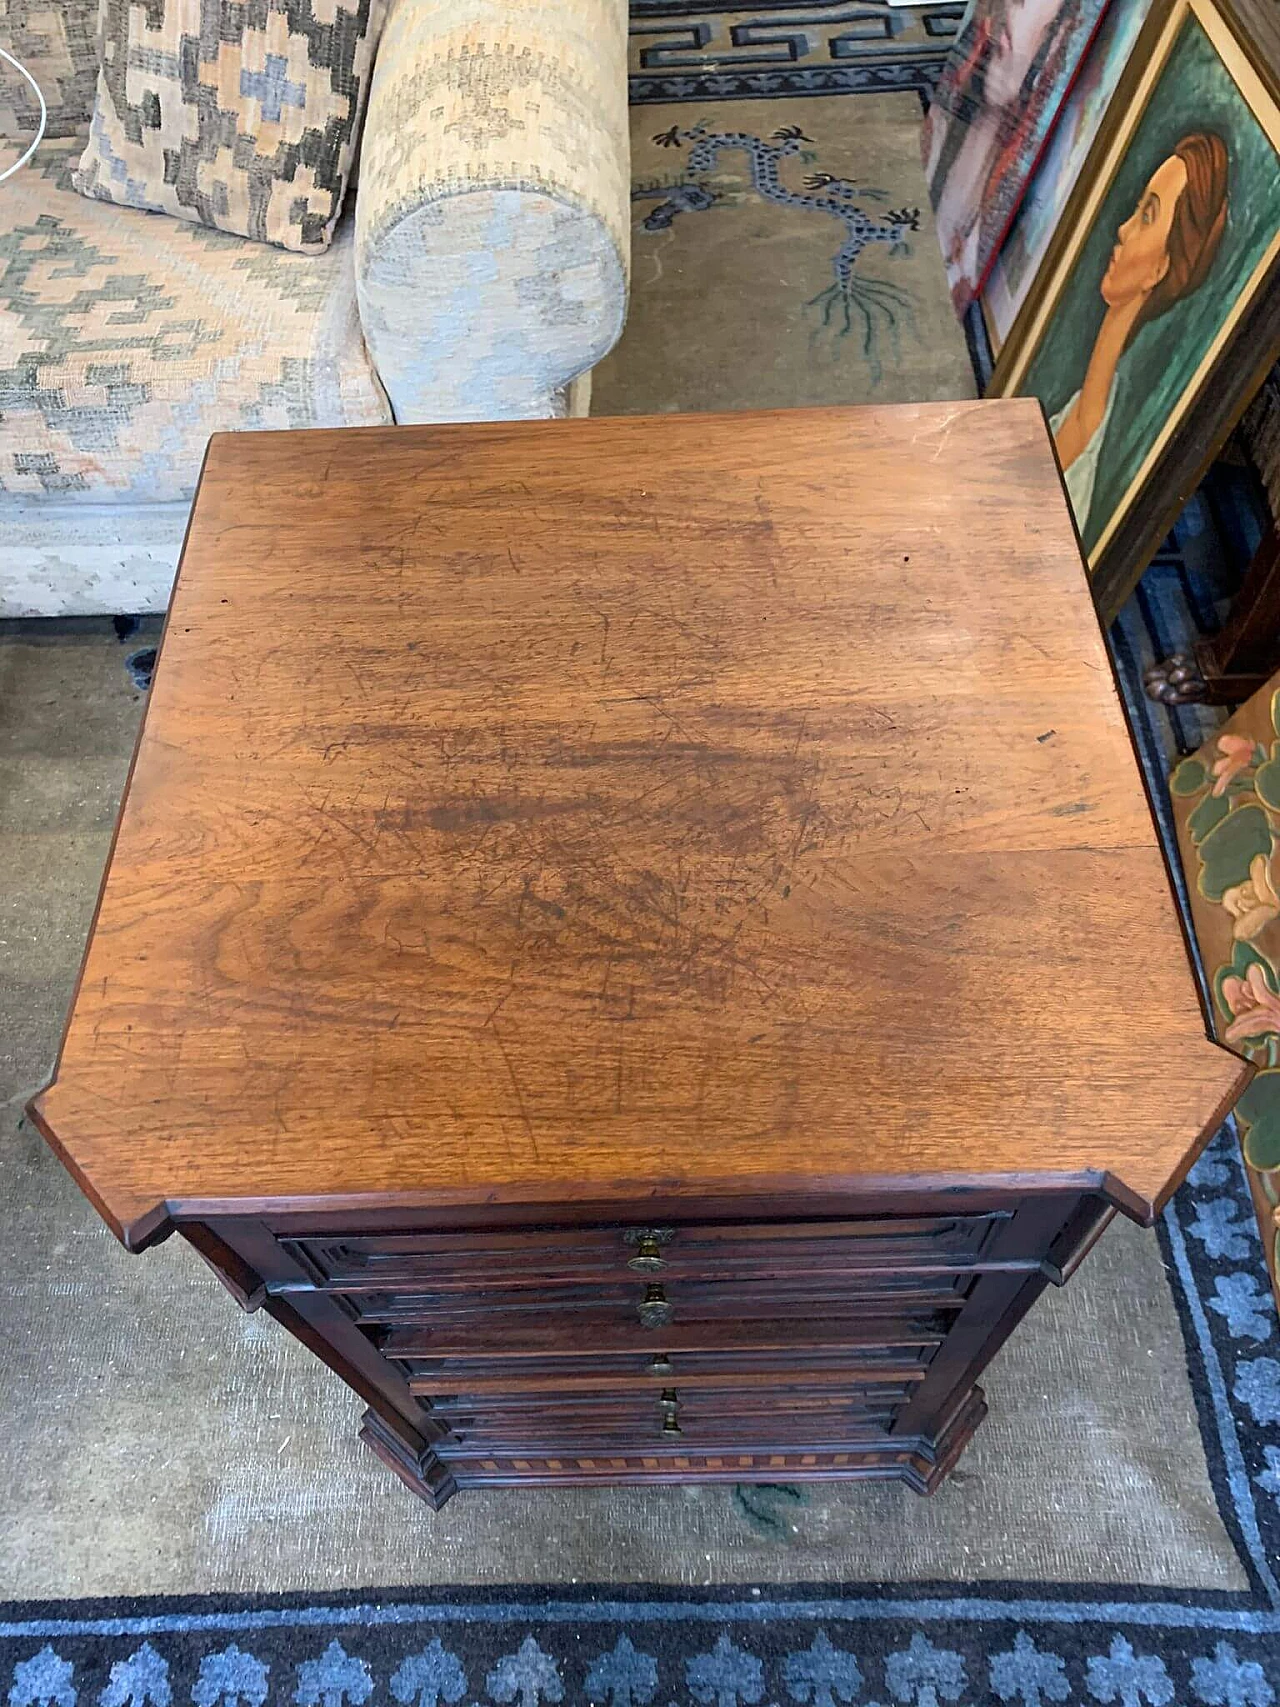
606, 808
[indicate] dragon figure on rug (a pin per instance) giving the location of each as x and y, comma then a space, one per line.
871, 303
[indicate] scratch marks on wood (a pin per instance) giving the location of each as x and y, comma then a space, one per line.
518, 1093
665, 877
941, 430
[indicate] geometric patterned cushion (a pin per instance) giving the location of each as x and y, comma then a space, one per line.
57, 42
241, 117
125, 340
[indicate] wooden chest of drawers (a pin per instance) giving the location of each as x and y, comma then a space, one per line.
719, 1349
640, 942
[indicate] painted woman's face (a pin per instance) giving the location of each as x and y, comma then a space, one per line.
1140, 258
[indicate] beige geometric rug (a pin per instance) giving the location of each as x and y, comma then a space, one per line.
156, 1440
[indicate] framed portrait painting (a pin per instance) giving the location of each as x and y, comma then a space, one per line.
1158, 318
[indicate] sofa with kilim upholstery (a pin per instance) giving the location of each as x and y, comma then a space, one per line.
477, 273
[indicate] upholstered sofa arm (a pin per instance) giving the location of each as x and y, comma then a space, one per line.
492, 215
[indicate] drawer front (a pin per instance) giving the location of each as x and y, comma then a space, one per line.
671, 1419
784, 1251
658, 1306
864, 1450
592, 1336
857, 1367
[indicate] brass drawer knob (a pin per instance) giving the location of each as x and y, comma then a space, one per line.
661, 1365
648, 1242
669, 1405
655, 1309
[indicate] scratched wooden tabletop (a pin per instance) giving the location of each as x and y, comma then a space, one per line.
559, 809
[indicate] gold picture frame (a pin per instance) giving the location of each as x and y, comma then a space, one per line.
1186, 373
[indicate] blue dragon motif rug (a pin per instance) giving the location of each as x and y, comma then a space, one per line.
783, 246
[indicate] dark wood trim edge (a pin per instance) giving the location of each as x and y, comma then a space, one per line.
567, 1201
1077, 1239
417, 1467
246, 1286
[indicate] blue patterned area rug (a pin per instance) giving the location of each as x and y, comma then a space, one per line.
783, 246
896, 1644
686, 51
959, 1644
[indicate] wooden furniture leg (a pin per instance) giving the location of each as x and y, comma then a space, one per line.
1236, 663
